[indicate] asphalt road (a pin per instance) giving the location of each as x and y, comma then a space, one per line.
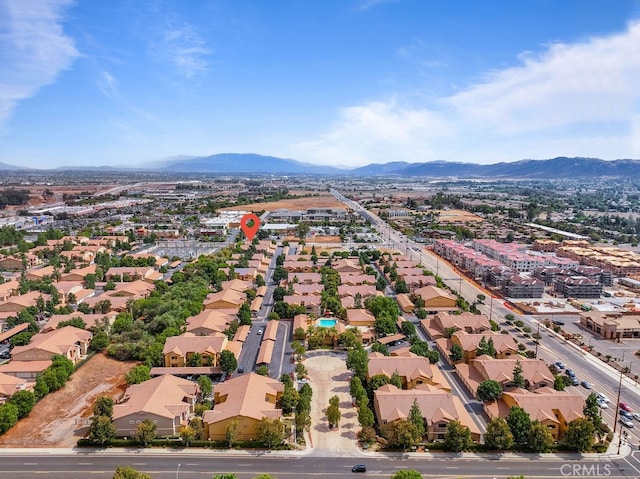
164, 465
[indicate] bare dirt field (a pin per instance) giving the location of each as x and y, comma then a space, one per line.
61, 418
456, 216
322, 201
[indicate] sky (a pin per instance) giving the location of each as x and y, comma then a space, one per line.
334, 82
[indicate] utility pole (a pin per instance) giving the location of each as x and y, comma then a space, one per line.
537, 339
615, 420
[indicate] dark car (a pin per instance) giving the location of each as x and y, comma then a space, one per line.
570, 373
557, 322
240, 370
359, 468
626, 414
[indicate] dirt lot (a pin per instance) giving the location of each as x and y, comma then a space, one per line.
456, 216
322, 201
60, 418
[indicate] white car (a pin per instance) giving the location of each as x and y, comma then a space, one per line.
603, 397
626, 421
602, 404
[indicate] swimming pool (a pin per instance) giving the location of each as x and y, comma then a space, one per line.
327, 323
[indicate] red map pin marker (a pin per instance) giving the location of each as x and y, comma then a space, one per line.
250, 231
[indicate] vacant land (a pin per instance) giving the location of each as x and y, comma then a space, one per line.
321, 201
61, 418
456, 216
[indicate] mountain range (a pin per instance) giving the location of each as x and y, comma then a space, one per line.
248, 163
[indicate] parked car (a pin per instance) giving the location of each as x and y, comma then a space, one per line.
557, 322
636, 416
625, 406
602, 404
570, 373
602, 397
574, 380
626, 421
559, 364
359, 468
260, 331
626, 414
586, 384
240, 370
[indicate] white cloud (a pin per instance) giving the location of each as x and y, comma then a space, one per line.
364, 5
34, 49
186, 49
108, 84
571, 99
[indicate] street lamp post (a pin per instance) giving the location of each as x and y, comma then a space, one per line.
177, 470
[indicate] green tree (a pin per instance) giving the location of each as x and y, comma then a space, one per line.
206, 386
365, 415
415, 416
8, 417
138, 374
99, 341
24, 400
591, 411
356, 389
128, 472
333, 415
498, 435
226, 475
404, 434
270, 432
407, 474
187, 434
378, 347
146, 432
262, 370
558, 383
231, 432
244, 314
458, 437
103, 406
101, 430
489, 390
228, 362
520, 424
289, 400
540, 438
396, 380
518, 377
457, 353
358, 361
579, 436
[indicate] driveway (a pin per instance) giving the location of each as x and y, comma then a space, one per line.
329, 377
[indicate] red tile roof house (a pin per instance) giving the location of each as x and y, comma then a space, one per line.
437, 406
70, 342
9, 385
413, 369
166, 400
535, 372
246, 399
178, 350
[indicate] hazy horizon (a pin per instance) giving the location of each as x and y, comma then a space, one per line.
337, 83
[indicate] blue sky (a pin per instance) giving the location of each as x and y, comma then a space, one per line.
336, 82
